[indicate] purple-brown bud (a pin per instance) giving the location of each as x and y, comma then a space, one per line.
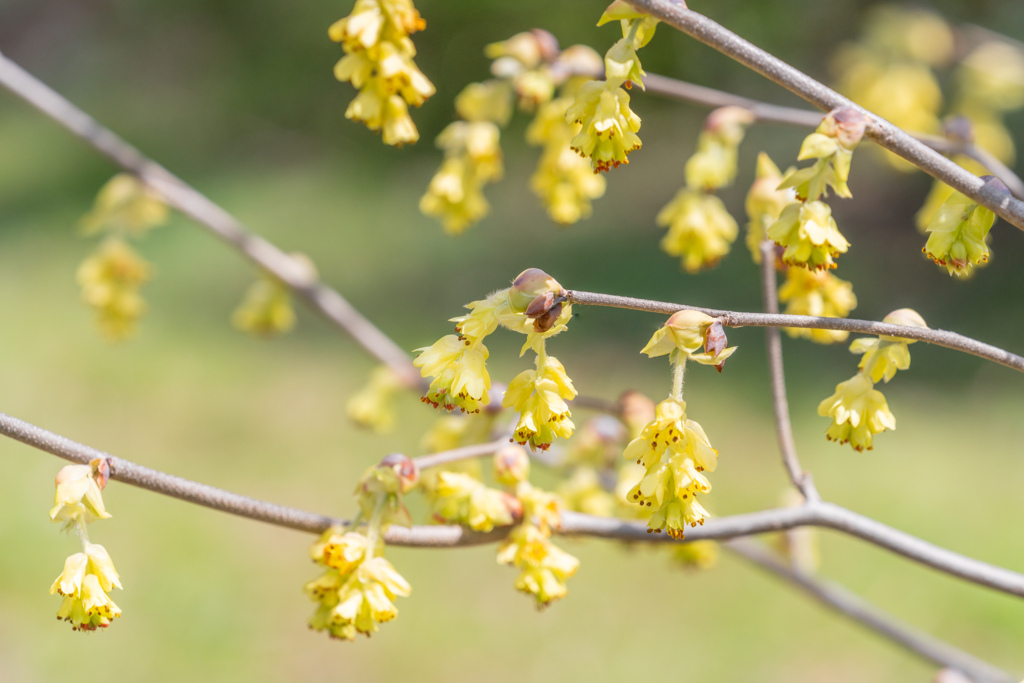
846, 125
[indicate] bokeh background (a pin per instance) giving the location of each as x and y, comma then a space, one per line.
237, 97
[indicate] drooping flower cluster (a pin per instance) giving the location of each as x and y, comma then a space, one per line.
674, 450
817, 293
563, 180
379, 62
543, 567
535, 306
609, 127
765, 201
539, 396
806, 228
528, 68
373, 405
357, 590
857, 409
111, 277
88, 576
958, 232
700, 229
266, 309
472, 158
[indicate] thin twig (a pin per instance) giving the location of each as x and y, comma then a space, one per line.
950, 340
573, 523
698, 94
853, 606
457, 454
201, 209
783, 425
881, 131
764, 112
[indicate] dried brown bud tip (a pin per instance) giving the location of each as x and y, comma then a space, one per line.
714, 339
100, 471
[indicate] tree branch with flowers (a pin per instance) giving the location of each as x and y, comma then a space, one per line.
638, 470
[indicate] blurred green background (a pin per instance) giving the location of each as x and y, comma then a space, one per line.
237, 97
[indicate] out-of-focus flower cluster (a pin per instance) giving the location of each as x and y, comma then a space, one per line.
111, 276
379, 62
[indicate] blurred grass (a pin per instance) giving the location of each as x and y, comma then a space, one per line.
212, 597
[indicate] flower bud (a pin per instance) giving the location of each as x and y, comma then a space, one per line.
846, 125
404, 467
530, 284
511, 465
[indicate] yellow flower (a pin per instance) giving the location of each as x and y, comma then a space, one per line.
940, 192
462, 499
339, 550
540, 398
472, 158
991, 77
125, 205
809, 234
583, 492
110, 280
688, 331
858, 411
487, 101
78, 495
455, 196
713, 165
696, 554
459, 371
832, 144
544, 568
765, 201
701, 231
674, 452
563, 180
266, 309
817, 293
357, 601
958, 233
87, 579
379, 62
883, 356
609, 126
373, 406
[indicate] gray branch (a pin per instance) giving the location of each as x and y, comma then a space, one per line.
879, 130
573, 523
848, 604
783, 425
328, 302
950, 340
764, 112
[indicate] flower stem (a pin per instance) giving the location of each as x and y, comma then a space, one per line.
373, 525
678, 370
